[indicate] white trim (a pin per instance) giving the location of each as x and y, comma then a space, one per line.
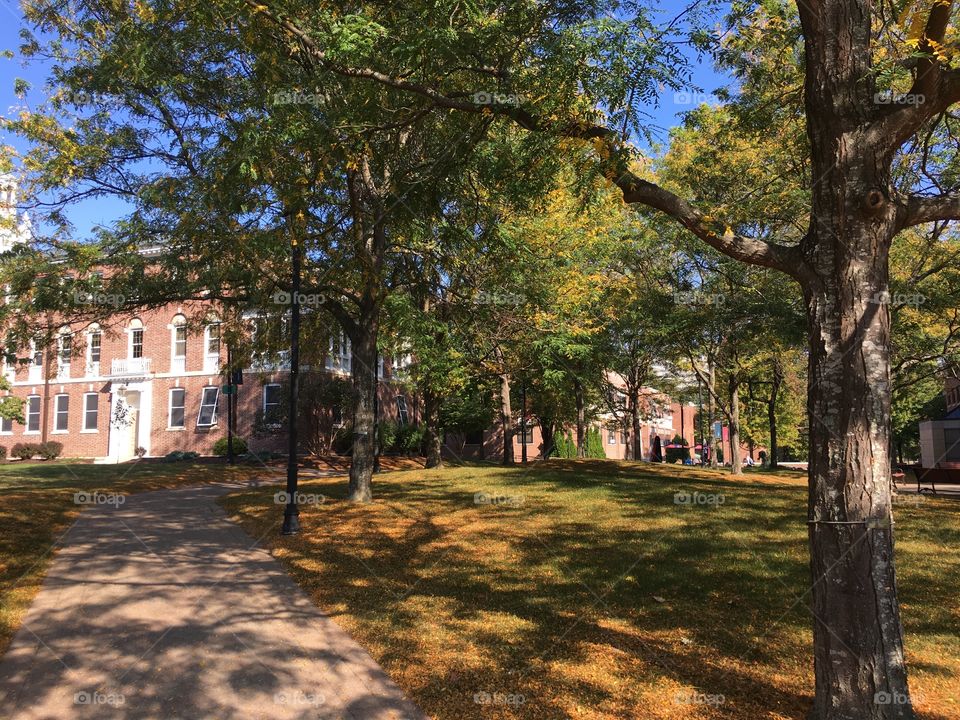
83, 423
170, 425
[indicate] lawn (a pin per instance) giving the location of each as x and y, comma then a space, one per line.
37, 507
584, 590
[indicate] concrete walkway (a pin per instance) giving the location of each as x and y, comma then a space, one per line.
161, 608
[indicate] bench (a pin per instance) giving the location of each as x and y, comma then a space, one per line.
940, 474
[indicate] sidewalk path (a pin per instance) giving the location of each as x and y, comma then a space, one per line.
162, 608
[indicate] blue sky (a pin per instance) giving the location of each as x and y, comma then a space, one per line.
102, 211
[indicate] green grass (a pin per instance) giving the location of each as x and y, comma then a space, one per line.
594, 595
37, 507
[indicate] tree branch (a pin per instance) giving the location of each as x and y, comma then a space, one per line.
919, 209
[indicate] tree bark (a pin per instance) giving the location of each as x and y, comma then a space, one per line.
546, 431
506, 419
736, 467
432, 431
773, 450
581, 420
712, 413
364, 370
635, 430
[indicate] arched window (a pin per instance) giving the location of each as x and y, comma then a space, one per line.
94, 340
178, 343
135, 343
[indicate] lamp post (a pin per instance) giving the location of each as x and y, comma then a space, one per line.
523, 422
376, 411
291, 514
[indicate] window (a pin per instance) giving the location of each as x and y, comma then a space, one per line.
178, 398
37, 351
61, 413
136, 343
179, 339
91, 404
951, 443
208, 407
338, 353
474, 437
6, 426
33, 414
526, 433
271, 403
64, 348
93, 346
213, 339
402, 416
611, 436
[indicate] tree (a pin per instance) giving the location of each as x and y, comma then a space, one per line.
867, 92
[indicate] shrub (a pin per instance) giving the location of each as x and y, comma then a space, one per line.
409, 439
594, 447
563, 446
239, 446
24, 451
343, 440
178, 455
675, 454
388, 435
140, 452
50, 450
3, 453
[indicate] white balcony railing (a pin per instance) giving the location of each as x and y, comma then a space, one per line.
178, 365
211, 363
92, 369
130, 366
35, 374
63, 371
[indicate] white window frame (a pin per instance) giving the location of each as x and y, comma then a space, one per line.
211, 360
92, 368
203, 404
31, 414
87, 411
182, 407
611, 436
6, 426
133, 344
178, 362
339, 354
57, 412
403, 413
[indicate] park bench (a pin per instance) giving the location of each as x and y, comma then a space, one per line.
942, 474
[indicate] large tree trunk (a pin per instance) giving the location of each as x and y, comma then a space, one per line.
636, 446
506, 419
772, 412
712, 413
736, 467
364, 370
581, 420
546, 432
432, 433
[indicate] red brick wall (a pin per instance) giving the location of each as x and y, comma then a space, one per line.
161, 378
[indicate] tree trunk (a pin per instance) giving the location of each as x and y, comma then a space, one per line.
364, 370
635, 431
506, 419
772, 413
712, 413
432, 432
581, 420
546, 431
736, 467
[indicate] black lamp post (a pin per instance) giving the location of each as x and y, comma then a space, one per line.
291, 514
376, 411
